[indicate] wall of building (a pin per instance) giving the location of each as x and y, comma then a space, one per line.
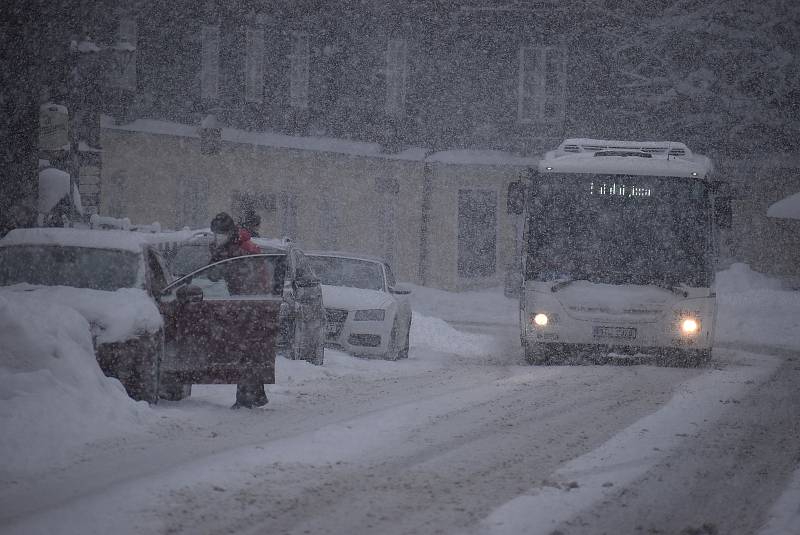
371, 204
769, 245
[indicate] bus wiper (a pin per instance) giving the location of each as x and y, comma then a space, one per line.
672, 288
564, 283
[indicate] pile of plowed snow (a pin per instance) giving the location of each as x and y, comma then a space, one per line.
434, 334
756, 309
53, 395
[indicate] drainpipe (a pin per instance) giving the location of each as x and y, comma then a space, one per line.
424, 227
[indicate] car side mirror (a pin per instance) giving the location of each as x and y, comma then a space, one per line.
189, 294
399, 290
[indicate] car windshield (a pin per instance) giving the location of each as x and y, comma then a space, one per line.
189, 258
619, 230
80, 267
351, 272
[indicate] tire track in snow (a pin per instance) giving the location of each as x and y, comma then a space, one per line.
608, 472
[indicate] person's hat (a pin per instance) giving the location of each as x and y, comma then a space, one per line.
223, 224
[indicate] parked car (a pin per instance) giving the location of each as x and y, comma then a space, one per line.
112, 278
158, 336
367, 313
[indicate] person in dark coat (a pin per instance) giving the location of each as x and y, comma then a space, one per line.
230, 241
250, 221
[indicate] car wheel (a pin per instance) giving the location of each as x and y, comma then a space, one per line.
315, 354
173, 391
404, 352
393, 352
142, 383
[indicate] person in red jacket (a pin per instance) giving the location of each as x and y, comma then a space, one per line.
231, 241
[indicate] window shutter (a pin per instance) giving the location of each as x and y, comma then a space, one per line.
209, 69
542, 85
254, 66
396, 74
298, 71
123, 75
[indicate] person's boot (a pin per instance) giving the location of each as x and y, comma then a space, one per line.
249, 396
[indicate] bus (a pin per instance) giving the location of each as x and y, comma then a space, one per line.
617, 253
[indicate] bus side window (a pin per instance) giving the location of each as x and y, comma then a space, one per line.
723, 213
515, 200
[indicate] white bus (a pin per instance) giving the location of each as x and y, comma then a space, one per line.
617, 253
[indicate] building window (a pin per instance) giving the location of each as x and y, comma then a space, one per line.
115, 194
254, 66
192, 202
123, 74
298, 71
542, 84
396, 74
477, 232
209, 68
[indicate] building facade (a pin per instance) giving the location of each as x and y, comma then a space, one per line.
404, 83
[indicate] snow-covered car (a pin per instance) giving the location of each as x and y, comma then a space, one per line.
302, 315
111, 278
367, 313
218, 324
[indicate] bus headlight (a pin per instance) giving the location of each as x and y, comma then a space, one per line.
541, 319
689, 326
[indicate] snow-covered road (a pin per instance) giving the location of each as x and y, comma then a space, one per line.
460, 438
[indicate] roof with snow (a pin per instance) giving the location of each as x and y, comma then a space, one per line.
788, 208
320, 144
95, 239
654, 158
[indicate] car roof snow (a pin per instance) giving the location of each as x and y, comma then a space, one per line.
95, 239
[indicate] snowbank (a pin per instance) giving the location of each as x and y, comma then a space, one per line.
754, 309
72, 237
786, 208
484, 306
113, 316
433, 334
54, 396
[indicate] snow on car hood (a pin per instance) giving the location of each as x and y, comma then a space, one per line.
113, 316
354, 298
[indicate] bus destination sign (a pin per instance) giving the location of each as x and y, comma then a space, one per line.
614, 189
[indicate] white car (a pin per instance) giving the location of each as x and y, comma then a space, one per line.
367, 314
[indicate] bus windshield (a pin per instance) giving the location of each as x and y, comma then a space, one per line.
619, 229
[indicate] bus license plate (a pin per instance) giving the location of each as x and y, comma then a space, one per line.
628, 333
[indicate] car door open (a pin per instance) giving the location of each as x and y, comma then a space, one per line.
221, 322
